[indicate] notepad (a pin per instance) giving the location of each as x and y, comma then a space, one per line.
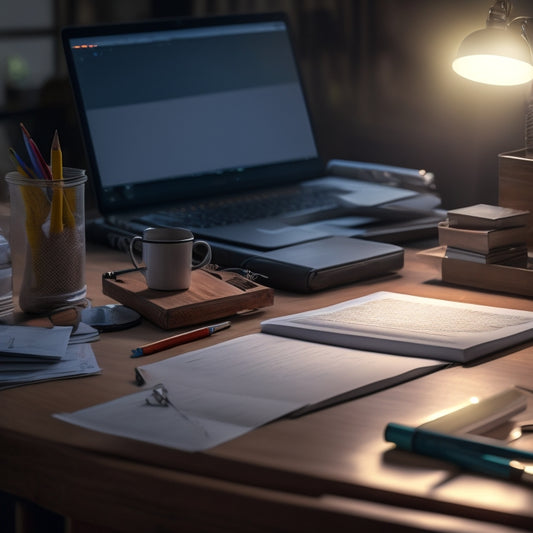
410, 325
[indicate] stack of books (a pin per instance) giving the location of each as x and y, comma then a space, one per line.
484, 247
486, 234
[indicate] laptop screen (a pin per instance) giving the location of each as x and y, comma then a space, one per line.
172, 110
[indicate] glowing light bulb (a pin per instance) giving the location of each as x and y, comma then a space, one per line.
493, 69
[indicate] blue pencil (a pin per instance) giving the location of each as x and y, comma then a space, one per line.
21, 165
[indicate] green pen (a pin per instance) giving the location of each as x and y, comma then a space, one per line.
472, 453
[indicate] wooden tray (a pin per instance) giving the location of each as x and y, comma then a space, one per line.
211, 296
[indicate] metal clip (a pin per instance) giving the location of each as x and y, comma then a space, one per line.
160, 394
159, 398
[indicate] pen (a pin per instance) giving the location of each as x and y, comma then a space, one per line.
473, 453
493, 465
496, 466
176, 340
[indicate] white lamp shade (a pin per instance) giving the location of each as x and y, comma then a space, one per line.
494, 55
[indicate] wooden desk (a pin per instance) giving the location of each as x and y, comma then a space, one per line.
328, 471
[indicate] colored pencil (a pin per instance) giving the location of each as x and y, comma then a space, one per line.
40, 167
180, 338
56, 160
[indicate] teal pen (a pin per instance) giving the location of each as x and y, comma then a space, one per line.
493, 465
472, 453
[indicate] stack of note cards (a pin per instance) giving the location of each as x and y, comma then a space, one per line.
486, 234
6, 284
31, 354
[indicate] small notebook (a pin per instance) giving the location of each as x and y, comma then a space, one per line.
210, 296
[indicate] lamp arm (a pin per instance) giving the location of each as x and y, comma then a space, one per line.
524, 26
522, 19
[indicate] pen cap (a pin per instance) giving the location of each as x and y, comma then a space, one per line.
402, 436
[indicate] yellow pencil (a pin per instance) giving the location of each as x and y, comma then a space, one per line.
68, 194
36, 203
56, 159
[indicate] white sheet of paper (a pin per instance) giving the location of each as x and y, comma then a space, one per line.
84, 333
78, 360
34, 341
225, 390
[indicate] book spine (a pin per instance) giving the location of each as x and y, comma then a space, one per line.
482, 241
500, 278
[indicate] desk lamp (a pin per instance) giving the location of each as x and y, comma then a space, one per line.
500, 54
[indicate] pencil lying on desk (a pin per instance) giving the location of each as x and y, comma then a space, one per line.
180, 338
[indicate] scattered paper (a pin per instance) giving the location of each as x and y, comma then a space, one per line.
48, 343
79, 360
221, 392
31, 354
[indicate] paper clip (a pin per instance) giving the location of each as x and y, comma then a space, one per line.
160, 394
159, 398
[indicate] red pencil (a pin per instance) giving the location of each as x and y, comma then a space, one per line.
180, 338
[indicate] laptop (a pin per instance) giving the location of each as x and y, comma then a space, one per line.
203, 123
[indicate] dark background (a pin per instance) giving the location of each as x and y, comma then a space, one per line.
378, 80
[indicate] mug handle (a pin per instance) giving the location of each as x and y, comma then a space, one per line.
132, 251
207, 257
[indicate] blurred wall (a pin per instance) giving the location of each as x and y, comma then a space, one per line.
382, 89
378, 79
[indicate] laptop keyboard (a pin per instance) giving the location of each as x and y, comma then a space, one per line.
252, 206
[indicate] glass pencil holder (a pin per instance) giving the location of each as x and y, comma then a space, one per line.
47, 237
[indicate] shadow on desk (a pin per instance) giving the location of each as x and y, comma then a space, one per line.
402, 459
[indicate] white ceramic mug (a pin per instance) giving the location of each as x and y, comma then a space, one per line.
168, 256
